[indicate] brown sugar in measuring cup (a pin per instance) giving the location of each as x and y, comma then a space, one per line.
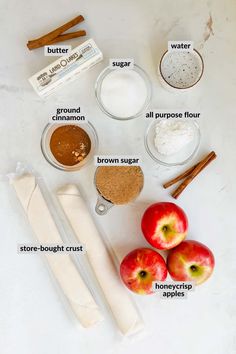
117, 185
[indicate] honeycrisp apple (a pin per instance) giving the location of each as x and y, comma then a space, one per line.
140, 268
164, 225
190, 261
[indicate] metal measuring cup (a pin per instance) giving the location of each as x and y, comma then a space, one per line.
103, 205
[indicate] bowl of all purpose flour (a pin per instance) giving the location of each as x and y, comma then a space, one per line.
172, 142
123, 94
181, 69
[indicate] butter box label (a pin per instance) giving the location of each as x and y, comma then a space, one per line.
66, 68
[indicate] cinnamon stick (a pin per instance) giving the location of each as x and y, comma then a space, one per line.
187, 172
44, 40
66, 36
180, 177
200, 166
60, 38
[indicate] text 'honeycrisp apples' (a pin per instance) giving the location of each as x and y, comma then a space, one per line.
164, 225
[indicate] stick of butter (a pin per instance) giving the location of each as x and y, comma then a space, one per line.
66, 68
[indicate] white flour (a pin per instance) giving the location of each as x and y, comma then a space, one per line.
172, 136
123, 93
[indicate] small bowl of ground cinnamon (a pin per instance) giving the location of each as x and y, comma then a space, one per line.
69, 147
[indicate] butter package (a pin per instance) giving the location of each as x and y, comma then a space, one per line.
66, 68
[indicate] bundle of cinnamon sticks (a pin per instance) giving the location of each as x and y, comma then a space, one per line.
57, 35
189, 175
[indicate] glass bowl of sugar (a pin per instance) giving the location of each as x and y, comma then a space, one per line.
123, 94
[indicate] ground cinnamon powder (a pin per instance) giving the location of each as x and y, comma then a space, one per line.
119, 184
70, 144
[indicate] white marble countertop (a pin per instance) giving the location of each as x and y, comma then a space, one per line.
32, 319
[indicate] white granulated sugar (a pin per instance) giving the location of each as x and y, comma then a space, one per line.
172, 136
123, 93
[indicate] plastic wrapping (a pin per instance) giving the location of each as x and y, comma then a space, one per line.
82, 263
101, 260
34, 198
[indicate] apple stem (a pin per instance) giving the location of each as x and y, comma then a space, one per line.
142, 273
193, 268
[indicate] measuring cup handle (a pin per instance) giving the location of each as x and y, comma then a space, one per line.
102, 206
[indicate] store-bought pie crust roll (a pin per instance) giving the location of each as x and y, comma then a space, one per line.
62, 266
80, 219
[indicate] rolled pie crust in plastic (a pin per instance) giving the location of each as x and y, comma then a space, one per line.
80, 219
62, 266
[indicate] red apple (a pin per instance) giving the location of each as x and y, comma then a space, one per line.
164, 225
140, 268
190, 261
